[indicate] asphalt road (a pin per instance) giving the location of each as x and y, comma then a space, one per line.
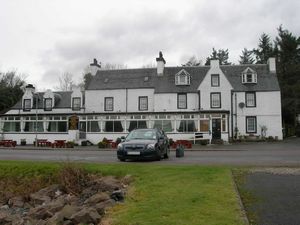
285, 153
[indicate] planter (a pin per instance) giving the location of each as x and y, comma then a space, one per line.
23, 142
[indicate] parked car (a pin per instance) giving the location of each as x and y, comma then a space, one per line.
144, 144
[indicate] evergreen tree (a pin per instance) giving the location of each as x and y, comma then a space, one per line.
11, 89
246, 57
221, 54
265, 49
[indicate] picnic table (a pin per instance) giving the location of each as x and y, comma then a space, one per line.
59, 144
185, 143
8, 143
43, 143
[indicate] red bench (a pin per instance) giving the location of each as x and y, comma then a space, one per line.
59, 144
8, 143
185, 143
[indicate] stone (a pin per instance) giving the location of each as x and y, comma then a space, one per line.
56, 205
108, 184
86, 215
117, 195
52, 191
99, 197
68, 211
100, 207
71, 199
39, 212
4, 207
39, 199
17, 201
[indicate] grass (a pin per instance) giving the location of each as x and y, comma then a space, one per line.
159, 195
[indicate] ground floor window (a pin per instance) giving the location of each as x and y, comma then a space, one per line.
137, 124
11, 126
204, 125
186, 126
113, 126
57, 126
250, 124
165, 125
32, 126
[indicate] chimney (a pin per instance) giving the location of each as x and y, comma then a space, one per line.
272, 65
30, 88
214, 63
94, 67
160, 64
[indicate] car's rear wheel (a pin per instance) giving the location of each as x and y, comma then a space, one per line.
167, 154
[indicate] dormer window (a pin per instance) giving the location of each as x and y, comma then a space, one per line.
27, 104
48, 104
249, 76
76, 104
182, 78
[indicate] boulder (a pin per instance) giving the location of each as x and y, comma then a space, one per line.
100, 207
86, 215
39, 212
17, 201
57, 204
71, 199
117, 195
108, 184
39, 199
97, 198
52, 191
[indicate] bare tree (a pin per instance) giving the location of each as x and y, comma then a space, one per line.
65, 82
114, 66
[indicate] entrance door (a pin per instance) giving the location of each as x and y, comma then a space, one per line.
216, 128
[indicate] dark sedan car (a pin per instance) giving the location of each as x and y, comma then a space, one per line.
144, 144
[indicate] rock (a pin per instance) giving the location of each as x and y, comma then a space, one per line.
40, 212
56, 205
17, 201
4, 207
99, 197
100, 207
108, 184
86, 215
39, 199
117, 195
52, 191
71, 199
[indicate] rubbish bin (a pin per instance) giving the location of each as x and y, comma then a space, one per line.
179, 151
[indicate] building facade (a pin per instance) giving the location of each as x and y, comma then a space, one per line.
212, 102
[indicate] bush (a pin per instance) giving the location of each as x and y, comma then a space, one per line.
204, 142
171, 141
70, 144
84, 143
102, 144
270, 138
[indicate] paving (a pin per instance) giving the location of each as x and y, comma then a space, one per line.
276, 194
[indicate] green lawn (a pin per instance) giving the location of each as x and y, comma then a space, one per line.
160, 194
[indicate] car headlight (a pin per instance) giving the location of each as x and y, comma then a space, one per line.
120, 146
151, 147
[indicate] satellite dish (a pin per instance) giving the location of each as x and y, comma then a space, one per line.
241, 105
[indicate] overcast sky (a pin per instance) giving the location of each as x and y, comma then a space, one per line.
45, 38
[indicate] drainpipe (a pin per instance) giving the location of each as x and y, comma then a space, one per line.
231, 114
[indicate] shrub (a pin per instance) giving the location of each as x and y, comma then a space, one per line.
102, 144
270, 138
70, 144
204, 142
171, 141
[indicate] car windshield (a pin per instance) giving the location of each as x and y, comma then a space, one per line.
141, 134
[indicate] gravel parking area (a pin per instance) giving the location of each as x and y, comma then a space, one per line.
276, 196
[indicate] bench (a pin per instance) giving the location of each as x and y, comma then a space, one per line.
8, 143
43, 143
59, 144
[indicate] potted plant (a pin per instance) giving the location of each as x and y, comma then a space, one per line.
23, 141
70, 144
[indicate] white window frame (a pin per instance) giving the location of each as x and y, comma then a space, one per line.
109, 104
182, 78
250, 102
26, 104
254, 119
143, 103
47, 107
215, 103
182, 103
249, 76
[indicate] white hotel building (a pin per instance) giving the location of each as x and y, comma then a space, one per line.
216, 102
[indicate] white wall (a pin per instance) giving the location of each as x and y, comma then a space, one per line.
168, 102
206, 88
267, 111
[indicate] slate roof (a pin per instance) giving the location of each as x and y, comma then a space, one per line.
62, 100
135, 78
